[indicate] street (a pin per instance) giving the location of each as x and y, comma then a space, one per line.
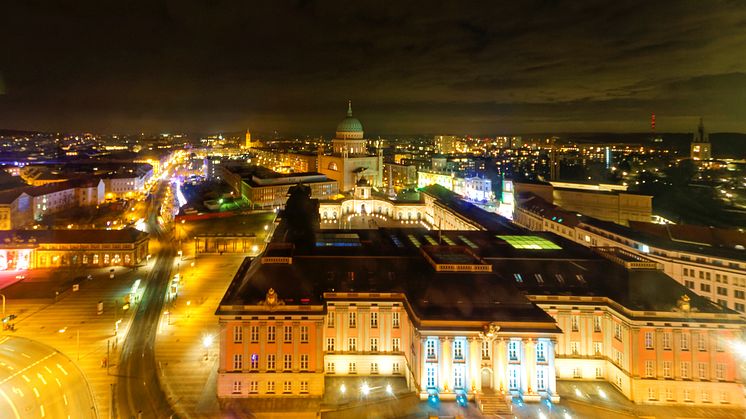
38, 381
138, 388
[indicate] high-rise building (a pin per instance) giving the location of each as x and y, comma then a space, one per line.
701, 148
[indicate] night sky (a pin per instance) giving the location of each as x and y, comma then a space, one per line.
430, 67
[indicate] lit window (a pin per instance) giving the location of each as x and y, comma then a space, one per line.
270, 362
237, 334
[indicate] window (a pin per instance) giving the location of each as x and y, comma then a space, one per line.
541, 352
330, 367
270, 386
237, 362
395, 368
288, 362
575, 320
352, 368
649, 369
724, 397
597, 323
254, 334
458, 377
431, 376
287, 387
352, 319
702, 342
689, 284
374, 367
518, 277
574, 347
687, 395
304, 387
304, 334
618, 357
271, 362
485, 349
739, 294
253, 387
598, 348
722, 291
374, 319
618, 331
648, 340
577, 373
352, 344
254, 362
513, 350
541, 383
513, 380
704, 287
705, 396
395, 344
740, 307
599, 372
374, 344
686, 271
720, 371
684, 342
288, 335
303, 362
430, 348
395, 319
702, 370
667, 341
237, 387
330, 319
652, 395
270, 334
667, 369
458, 349
685, 369
237, 334
669, 394
330, 344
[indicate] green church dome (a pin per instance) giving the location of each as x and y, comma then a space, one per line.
350, 124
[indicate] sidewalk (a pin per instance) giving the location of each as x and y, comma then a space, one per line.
73, 326
187, 378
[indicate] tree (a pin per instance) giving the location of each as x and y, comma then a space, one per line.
302, 216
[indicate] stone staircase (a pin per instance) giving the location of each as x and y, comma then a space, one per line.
493, 404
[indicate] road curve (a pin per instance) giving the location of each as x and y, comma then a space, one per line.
37, 381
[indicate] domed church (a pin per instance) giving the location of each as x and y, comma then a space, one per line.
349, 160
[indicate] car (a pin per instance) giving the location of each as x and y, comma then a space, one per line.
20, 276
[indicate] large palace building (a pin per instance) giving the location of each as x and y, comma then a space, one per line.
486, 315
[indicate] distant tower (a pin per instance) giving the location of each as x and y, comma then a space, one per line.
248, 138
701, 148
554, 163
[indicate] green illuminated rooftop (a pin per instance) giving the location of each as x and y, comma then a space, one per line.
530, 242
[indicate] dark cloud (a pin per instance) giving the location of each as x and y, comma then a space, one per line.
410, 67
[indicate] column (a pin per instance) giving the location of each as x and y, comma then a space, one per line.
500, 361
529, 365
423, 364
445, 360
319, 352
224, 363
262, 346
552, 372
296, 340
475, 364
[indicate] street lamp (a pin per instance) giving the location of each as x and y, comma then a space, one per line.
206, 342
365, 389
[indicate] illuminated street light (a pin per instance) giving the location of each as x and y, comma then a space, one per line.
365, 389
343, 389
389, 390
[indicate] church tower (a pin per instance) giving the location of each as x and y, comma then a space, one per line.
701, 149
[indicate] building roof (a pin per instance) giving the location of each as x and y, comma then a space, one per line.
126, 235
451, 200
401, 264
349, 124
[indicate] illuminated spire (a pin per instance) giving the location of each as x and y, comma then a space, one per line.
349, 108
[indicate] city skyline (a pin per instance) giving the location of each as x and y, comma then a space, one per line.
533, 67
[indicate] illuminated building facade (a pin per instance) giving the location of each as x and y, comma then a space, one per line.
715, 271
485, 315
701, 149
349, 159
31, 249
